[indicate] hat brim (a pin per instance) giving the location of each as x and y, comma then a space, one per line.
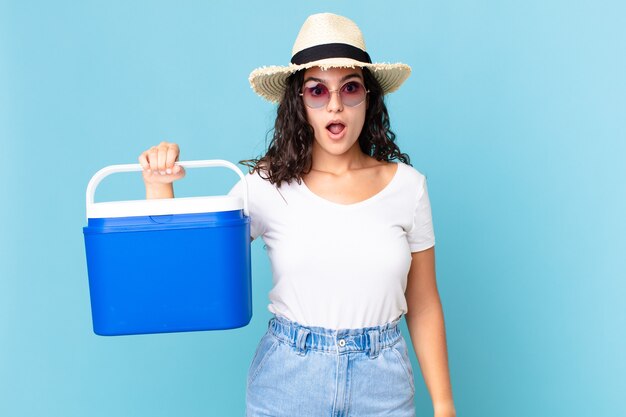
270, 82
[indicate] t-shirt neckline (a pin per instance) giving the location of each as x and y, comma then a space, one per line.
358, 203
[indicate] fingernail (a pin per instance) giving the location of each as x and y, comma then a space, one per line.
162, 173
168, 171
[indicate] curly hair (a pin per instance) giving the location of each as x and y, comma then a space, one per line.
289, 153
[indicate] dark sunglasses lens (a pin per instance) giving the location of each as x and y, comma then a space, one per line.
316, 96
352, 94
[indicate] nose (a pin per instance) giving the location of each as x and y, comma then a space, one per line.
334, 102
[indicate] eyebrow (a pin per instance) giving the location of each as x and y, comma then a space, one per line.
320, 80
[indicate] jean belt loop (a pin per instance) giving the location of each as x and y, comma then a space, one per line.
374, 339
301, 340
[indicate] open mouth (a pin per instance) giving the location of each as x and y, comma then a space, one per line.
335, 128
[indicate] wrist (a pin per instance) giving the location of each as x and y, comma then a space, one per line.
159, 190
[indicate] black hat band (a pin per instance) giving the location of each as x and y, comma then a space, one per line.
330, 50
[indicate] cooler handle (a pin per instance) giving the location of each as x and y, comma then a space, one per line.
112, 169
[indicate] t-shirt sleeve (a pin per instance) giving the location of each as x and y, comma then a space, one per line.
422, 235
256, 223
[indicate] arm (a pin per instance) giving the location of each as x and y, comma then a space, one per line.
426, 327
159, 171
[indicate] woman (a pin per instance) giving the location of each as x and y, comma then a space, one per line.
349, 235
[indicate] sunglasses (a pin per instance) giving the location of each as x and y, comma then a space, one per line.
351, 93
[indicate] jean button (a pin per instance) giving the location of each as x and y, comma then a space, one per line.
342, 343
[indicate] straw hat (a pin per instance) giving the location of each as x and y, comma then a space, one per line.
326, 40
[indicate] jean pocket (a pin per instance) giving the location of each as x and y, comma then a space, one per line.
267, 345
402, 353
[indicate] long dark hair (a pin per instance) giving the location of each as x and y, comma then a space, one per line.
289, 153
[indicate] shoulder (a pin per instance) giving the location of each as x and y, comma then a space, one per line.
409, 174
252, 181
260, 189
258, 178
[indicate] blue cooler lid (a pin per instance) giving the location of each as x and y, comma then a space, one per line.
163, 214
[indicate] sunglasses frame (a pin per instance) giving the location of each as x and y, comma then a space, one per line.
301, 94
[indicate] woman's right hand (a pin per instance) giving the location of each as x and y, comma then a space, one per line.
159, 171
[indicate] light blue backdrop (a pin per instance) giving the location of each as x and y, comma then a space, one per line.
515, 111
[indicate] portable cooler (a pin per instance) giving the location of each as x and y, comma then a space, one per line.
168, 265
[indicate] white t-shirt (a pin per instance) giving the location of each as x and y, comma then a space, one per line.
340, 266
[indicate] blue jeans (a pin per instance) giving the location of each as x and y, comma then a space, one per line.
300, 371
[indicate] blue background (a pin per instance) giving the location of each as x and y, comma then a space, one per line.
515, 111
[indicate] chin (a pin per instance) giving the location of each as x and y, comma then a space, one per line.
338, 148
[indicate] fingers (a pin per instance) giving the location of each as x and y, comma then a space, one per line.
160, 158
162, 155
143, 161
171, 157
153, 159
160, 161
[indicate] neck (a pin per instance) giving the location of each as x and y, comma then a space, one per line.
322, 160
